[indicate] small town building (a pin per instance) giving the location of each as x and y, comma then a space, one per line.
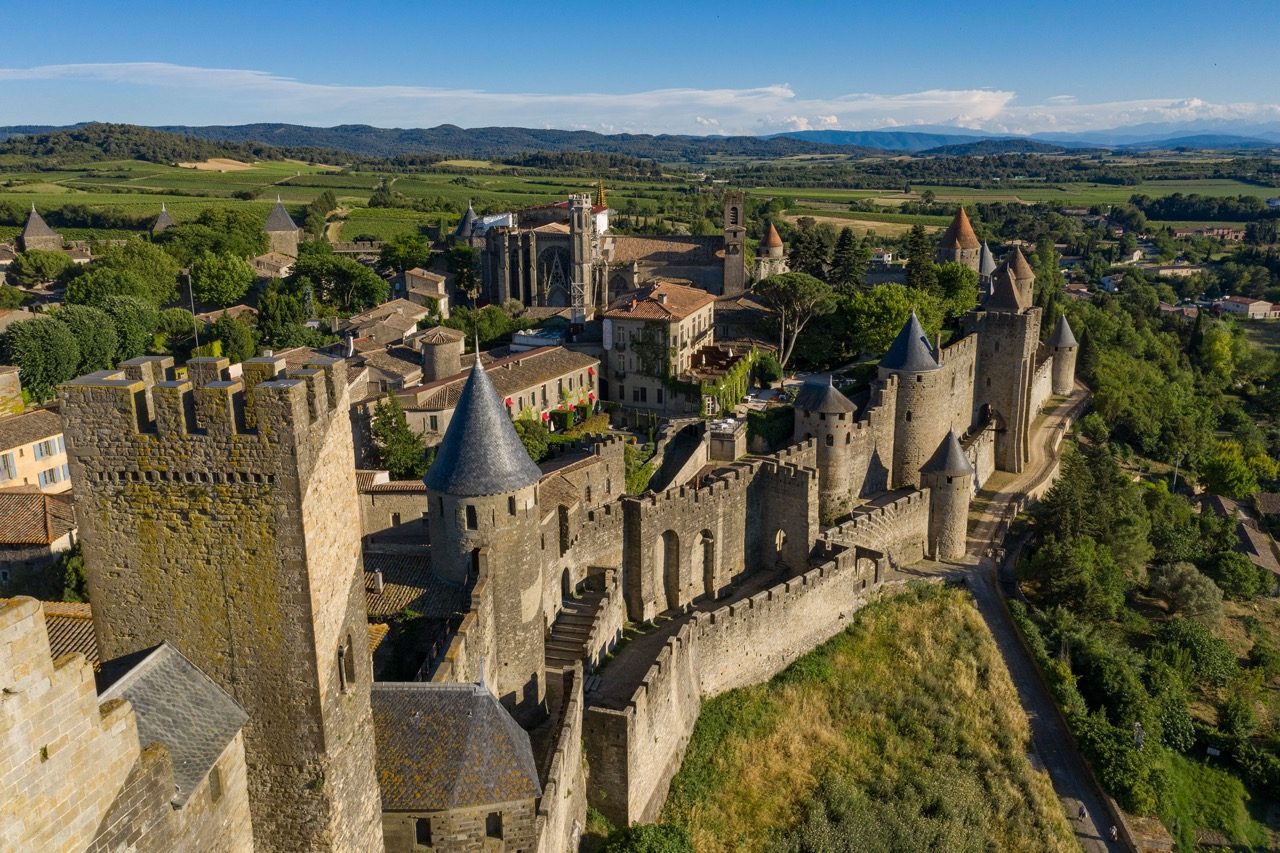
34, 529
426, 288
33, 452
1247, 307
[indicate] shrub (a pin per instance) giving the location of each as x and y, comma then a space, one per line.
649, 838
1209, 658
1237, 576
1188, 592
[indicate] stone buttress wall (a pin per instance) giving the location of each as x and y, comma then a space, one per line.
610, 619
959, 362
219, 517
897, 528
475, 641
562, 809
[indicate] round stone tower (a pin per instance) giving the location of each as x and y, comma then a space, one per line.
1062, 344
441, 349
949, 478
959, 244
482, 509
827, 416
918, 417
1023, 276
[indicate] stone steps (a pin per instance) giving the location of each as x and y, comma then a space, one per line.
567, 642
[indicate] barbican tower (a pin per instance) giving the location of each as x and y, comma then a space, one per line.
771, 260
216, 514
483, 520
1064, 348
827, 416
919, 422
949, 478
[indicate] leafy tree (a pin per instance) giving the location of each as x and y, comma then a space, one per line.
45, 351
922, 273
958, 289
153, 272
1228, 473
649, 838
398, 449
239, 342
403, 252
36, 266
1237, 576
11, 298
464, 263
95, 336
1188, 592
878, 314
849, 261
344, 283
221, 230
70, 568
796, 298
535, 436
176, 322
807, 254
1079, 573
135, 321
1192, 647
318, 213
220, 279
280, 315
767, 369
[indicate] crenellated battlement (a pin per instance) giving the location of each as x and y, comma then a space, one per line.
965, 347
145, 397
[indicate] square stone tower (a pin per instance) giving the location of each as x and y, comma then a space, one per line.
216, 514
735, 237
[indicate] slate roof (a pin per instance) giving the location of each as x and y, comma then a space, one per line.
31, 517
683, 251
1005, 294
910, 350
36, 226
176, 705
959, 234
1267, 503
818, 394
481, 453
28, 427
448, 746
1062, 335
986, 261
163, 221
661, 301
949, 458
279, 220
510, 375
467, 225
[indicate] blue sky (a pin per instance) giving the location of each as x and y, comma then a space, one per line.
651, 66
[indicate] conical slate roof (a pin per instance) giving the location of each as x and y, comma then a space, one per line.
948, 459
959, 234
910, 350
1062, 335
481, 453
163, 221
36, 226
818, 394
279, 220
771, 238
1005, 295
1018, 263
468, 223
986, 261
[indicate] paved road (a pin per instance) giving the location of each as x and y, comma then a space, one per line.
1049, 738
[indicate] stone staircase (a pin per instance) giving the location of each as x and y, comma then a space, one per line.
567, 642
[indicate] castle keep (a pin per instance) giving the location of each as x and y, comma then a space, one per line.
221, 525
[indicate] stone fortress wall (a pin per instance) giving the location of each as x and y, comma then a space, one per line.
1041, 385
239, 491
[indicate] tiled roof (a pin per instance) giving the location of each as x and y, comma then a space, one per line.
771, 238
36, 226
34, 518
1005, 294
394, 308
818, 394
448, 746
163, 221
396, 487
661, 301
481, 454
1258, 547
436, 335
176, 705
28, 427
696, 251
910, 350
959, 234
1267, 503
397, 361
407, 581
510, 376
986, 261
377, 633
367, 477
70, 627
1018, 263
552, 228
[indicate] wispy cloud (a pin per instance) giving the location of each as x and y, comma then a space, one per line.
164, 93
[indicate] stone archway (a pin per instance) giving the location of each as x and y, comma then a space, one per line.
666, 560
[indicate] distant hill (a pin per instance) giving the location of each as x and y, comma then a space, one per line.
96, 141
908, 142
496, 142
1203, 141
985, 147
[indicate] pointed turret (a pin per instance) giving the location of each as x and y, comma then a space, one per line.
468, 224
910, 350
481, 453
279, 219
1062, 335
819, 394
36, 234
163, 221
771, 245
986, 262
959, 234
949, 459
1005, 294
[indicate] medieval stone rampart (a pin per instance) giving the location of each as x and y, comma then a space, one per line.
980, 449
562, 809
897, 528
1041, 385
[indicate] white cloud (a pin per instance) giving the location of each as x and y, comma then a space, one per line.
163, 93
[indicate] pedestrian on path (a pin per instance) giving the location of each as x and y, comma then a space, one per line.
1115, 833
1082, 814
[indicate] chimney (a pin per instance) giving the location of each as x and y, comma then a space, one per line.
351, 345
662, 299
377, 583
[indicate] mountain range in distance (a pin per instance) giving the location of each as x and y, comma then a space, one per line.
499, 142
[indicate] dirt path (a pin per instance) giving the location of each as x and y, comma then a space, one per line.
333, 228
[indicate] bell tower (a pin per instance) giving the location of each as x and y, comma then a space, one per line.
735, 235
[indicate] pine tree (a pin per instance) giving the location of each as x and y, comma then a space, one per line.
399, 449
849, 262
922, 274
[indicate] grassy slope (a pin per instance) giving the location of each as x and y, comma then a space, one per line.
914, 689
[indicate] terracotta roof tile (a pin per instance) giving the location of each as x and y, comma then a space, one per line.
28, 427
34, 518
661, 301
959, 234
407, 581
